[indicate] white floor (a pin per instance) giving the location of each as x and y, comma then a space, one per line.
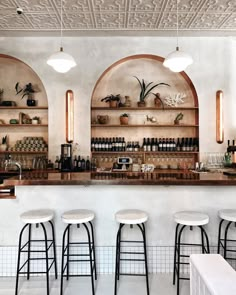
160, 284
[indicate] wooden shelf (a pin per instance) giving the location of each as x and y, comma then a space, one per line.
23, 125
21, 152
23, 108
145, 108
146, 125
142, 152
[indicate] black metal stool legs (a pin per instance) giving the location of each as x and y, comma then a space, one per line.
66, 255
18, 259
177, 251
27, 248
54, 248
94, 255
118, 255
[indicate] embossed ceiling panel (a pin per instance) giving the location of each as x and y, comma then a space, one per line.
206, 17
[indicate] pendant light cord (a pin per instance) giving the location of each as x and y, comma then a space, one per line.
61, 26
177, 24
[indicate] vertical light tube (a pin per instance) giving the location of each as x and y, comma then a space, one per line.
219, 117
69, 116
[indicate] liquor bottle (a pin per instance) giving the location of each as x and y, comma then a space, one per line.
182, 145
120, 145
107, 145
178, 145
78, 164
160, 145
59, 163
87, 164
123, 144
83, 164
148, 145
95, 144
163, 144
144, 145
56, 166
92, 145
116, 145
75, 163
99, 144
190, 144
173, 144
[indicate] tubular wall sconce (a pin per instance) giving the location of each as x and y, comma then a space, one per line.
69, 116
219, 117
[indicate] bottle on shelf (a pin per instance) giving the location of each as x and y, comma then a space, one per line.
87, 164
56, 165
144, 145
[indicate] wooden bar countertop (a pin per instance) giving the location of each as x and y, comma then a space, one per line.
159, 177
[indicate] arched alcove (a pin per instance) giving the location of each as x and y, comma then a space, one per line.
13, 70
119, 78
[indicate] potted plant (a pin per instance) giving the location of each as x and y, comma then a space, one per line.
146, 88
35, 120
124, 119
26, 91
3, 145
112, 99
178, 118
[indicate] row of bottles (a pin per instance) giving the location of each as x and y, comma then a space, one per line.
184, 144
80, 164
109, 144
118, 144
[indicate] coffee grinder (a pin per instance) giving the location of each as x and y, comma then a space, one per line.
66, 158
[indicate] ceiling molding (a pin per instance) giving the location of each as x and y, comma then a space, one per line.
118, 17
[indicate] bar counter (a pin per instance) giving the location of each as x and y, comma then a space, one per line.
122, 178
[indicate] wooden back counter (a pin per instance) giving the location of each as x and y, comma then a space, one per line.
159, 177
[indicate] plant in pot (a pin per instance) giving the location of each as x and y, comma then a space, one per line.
178, 118
124, 119
35, 120
3, 145
145, 89
28, 91
113, 100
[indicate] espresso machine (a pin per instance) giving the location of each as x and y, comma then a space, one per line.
66, 158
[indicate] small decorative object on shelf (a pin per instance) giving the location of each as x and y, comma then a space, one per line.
124, 119
35, 120
146, 89
26, 91
3, 145
151, 119
127, 102
112, 99
158, 101
14, 121
102, 119
174, 100
178, 118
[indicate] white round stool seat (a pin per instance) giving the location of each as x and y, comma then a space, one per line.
228, 214
77, 216
191, 218
131, 216
37, 216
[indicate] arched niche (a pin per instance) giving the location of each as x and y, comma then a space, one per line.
119, 79
13, 70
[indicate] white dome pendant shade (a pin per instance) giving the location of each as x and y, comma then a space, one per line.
177, 61
61, 62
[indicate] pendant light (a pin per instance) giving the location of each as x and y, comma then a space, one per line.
60, 61
177, 61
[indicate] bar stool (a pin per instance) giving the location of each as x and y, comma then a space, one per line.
36, 217
191, 219
228, 216
130, 217
78, 217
